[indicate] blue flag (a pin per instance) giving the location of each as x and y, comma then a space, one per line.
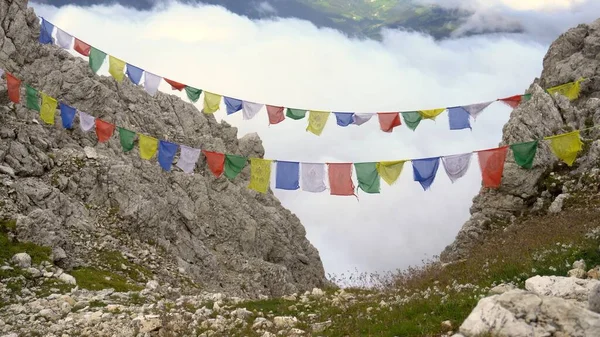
134, 73
288, 176
344, 118
46, 29
166, 153
424, 171
459, 118
233, 105
67, 114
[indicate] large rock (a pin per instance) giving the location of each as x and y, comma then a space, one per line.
564, 287
22, 260
70, 190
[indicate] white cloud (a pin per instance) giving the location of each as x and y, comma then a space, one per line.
293, 63
266, 8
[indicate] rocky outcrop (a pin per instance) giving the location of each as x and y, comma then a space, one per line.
78, 196
573, 56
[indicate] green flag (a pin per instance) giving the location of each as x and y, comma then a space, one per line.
193, 94
295, 113
524, 153
127, 137
368, 177
412, 119
33, 101
525, 97
234, 165
96, 59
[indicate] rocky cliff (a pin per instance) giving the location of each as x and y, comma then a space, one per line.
574, 55
87, 199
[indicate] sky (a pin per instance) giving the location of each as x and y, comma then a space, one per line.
292, 63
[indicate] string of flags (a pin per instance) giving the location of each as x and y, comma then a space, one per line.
459, 117
310, 177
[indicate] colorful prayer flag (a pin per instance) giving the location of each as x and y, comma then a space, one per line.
46, 29
431, 114
148, 146
82, 47
388, 121
63, 39
188, 158
360, 119
390, 170
287, 176
126, 137
14, 88
175, 85
456, 166
340, 179
295, 114
344, 118
275, 113
48, 109
96, 60
250, 109
234, 164
134, 73
86, 122
317, 121
260, 174
104, 130
151, 83
524, 153
166, 154
211, 102
67, 115
368, 178
313, 177
491, 163
424, 171
476, 109
193, 94
412, 119
566, 146
569, 90
215, 162
459, 118
512, 101
116, 68
232, 105
32, 98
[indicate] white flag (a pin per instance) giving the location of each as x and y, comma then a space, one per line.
457, 165
475, 109
313, 177
63, 39
151, 83
188, 158
250, 109
86, 121
1, 72
360, 119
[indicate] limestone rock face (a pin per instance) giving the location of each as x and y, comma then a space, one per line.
572, 56
70, 192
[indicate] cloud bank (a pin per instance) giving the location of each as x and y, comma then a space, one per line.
292, 63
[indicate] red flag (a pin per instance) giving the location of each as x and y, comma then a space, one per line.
340, 179
14, 87
491, 163
275, 114
104, 130
175, 85
389, 120
512, 101
215, 161
82, 47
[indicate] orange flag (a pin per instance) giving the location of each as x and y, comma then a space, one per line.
215, 161
340, 179
491, 163
14, 87
104, 130
389, 120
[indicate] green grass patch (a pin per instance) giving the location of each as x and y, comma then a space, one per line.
96, 279
114, 260
9, 248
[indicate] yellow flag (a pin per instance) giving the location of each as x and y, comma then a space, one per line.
48, 109
116, 68
260, 174
566, 146
148, 146
569, 90
431, 114
211, 102
390, 170
317, 121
